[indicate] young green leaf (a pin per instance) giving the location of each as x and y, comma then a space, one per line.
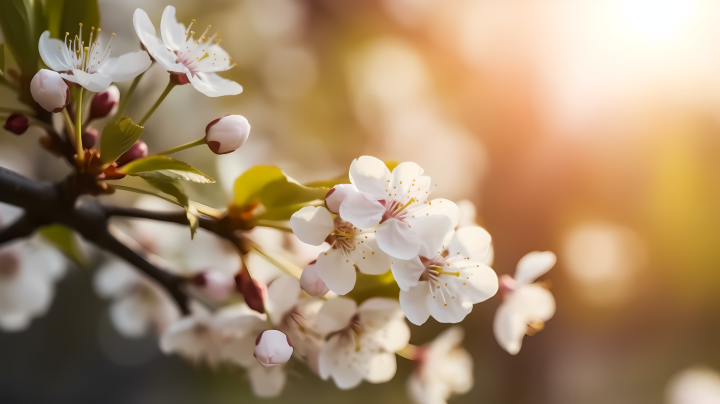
164, 168
251, 182
64, 239
175, 188
270, 186
117, 138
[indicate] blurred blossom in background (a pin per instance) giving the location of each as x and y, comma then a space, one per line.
585, 127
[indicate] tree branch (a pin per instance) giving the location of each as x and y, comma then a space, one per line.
179, 217
22, 227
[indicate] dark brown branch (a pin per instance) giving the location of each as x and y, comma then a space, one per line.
21, 228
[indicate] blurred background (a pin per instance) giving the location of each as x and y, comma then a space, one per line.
585, 127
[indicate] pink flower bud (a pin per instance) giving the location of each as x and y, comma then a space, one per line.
225, 135
105, 103
50, 90
89, 137
253, 291
136, 151
214, 284
311, 283
337, 195
273, 348
17, 124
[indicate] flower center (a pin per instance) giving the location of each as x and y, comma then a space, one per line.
402, 207
342, 236
197, 56
440, 265
86, 58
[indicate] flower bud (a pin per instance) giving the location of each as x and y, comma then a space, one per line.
136, 151
17, 124
214, 284
337, 195
105, 103
273, 348
50, 90
311, 283
253, 291
89, 137
225, 135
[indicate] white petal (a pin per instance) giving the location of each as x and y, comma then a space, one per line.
14, 322
533, 265
337, 195
125, 67
312, 224
380, 368
438, 206
94, 82
397, 239
361, 211
334, 363
529, 303
471, 242
267, 382
394, 335
172, 32
509, 327
407, 272
444, 308
371, 176
114, 279
130, 316
404, 175
476, 281
538, 302
155, 47
213, 85
311, 283
381, 307
335, 314
414, 303
283, 294
433, 231
336, 270
368, 257
45, 259
52, 52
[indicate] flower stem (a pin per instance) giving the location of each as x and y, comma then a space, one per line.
78, 126
126, 98
409, 352
69, 125
181, 147
157, 103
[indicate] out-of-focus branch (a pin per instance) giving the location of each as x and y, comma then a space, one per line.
207, 223
22, 227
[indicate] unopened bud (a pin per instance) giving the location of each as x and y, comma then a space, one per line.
225, 135
253, 291
337, 195
273, 348
214, 284
89, 137
17, 124
50, 90
179, 78
105, 103
311, 283
136, 151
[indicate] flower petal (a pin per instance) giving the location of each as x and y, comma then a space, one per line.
438, 206
334, 363
529, 303
407, 272
213, 85
371, 177
52, 51
380, 367
94, 82
398, 240
476, 281
130, 316
173, 33
414, 303
368, 257
533, 265
361, 211
471, 242
406, 174
114, 279
125, 67
335, 314
267, 382
446, 309
336, 270
433, 231
155, 47
312, 224
283, 295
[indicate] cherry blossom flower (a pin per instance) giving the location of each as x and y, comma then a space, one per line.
350, 247
50, 90
449, 275
90, 66
443, 369
196, 60
227, 134
468, 215
697, 385
526, 306
273, 348
363, 340
139, 304
397, 201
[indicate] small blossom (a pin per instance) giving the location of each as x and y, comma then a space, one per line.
227, 134
17, 124
105, 103
50, 90
337, 195
181, 53
273, 348
216, 285
89, 137
397, 201
349, 246
311, 283
526, 306
443, 369
136, 151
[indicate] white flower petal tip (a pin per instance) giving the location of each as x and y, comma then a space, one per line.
182, 54
50, 90
533, 265
311, 283
273, 348
312, 224
215, 285
524, 311
227, 134
337, 195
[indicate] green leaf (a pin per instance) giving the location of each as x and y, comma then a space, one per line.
66, 16
146, 192
252, 181
175, 188
117, 138
2, 59
64, 239
164, 168
270, 186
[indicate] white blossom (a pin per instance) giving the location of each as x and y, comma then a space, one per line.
697, 385
50, 90
525, 304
